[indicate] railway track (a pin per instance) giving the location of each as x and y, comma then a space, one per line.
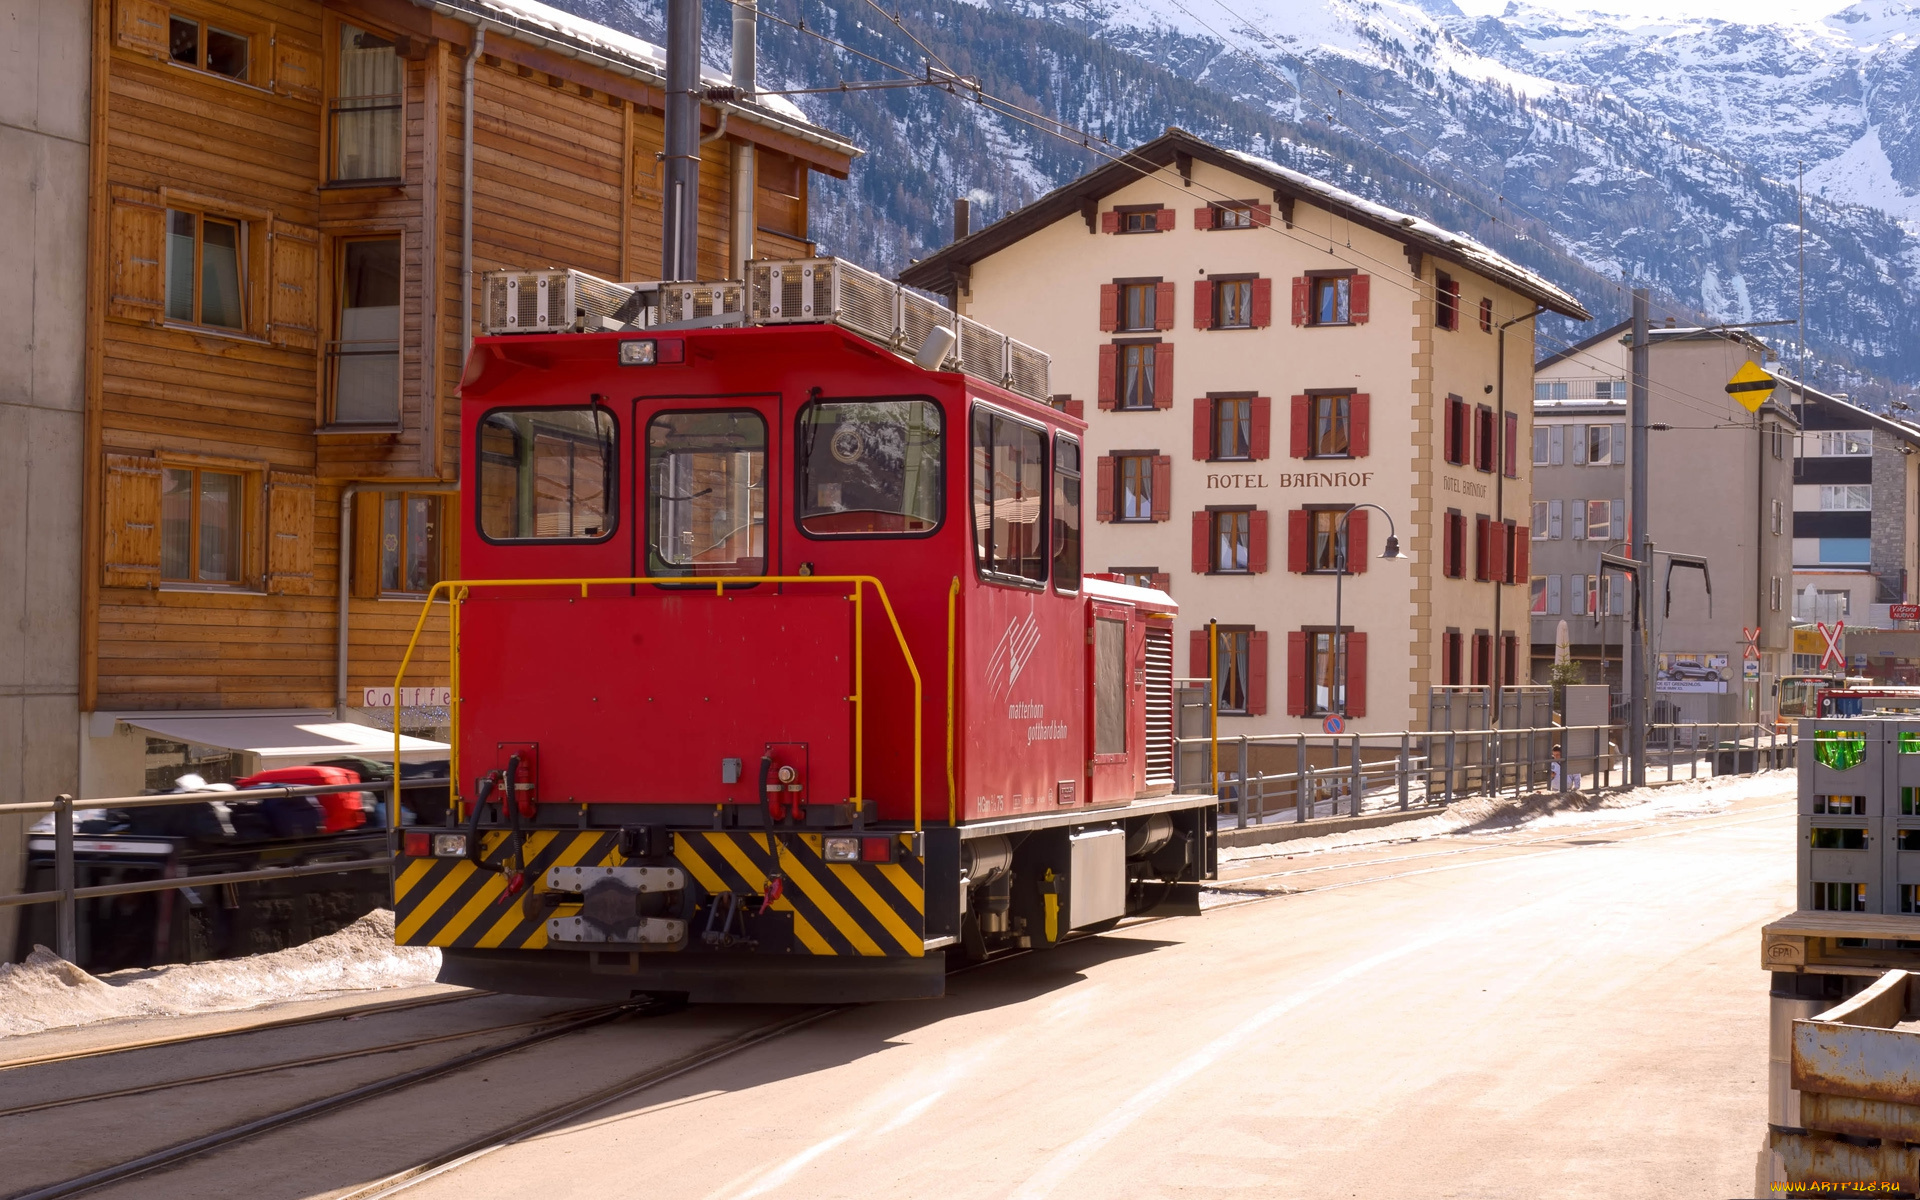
560, 1025
339, 1014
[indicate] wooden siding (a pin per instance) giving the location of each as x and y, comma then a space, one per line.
565, 174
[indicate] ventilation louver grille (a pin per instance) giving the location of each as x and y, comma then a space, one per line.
1159, 706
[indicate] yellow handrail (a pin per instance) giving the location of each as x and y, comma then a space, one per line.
458, 589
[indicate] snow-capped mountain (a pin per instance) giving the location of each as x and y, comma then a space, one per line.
1593, 149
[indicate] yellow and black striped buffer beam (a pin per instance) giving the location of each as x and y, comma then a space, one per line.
861, 909
451, 902
873, 910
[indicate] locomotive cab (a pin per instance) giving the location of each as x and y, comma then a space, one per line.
776, 672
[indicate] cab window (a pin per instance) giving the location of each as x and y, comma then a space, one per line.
869, 468
547, 475
1066, 513
1009, 497
707, 493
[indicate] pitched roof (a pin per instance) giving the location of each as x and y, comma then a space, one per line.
1906, 431
1585, 344
578, 38
938, 271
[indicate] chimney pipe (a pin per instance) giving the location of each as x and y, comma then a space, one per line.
680, 205
962, 218
745, 37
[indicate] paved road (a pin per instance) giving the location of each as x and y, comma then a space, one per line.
1571, 1018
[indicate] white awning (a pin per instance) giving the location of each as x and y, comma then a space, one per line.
283, 739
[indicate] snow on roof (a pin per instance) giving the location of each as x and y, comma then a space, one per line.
611, 42
1474, 253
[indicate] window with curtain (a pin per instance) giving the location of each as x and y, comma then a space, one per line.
368, 107
366, 353
409, 543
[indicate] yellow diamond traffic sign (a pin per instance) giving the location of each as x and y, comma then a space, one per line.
1751, 386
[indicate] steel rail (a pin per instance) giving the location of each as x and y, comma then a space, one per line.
559, 1114
312, 1061
338, 1014
457, 591
181, 1151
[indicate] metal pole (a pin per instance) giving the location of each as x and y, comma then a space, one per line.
1213, 708
1240, 790
1300, 789
1639, 548
745, 82
65, 929
680, 210
1359, 779
1403, 772
1339, 643
466, 212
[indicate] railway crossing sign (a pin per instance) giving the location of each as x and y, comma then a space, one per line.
1751, 386
1752, 637
1831, 655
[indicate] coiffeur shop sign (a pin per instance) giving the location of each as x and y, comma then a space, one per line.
1289, 479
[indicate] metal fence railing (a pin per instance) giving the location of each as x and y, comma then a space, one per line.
66, 896
1262, 779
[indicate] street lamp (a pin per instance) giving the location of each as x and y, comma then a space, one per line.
1391, 550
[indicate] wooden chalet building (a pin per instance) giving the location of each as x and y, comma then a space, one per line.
277, 274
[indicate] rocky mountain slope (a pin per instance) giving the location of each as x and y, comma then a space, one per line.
1590, 150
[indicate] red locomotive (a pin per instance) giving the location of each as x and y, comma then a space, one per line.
776, 669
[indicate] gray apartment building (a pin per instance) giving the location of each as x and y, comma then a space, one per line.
1853, 521
1720, 487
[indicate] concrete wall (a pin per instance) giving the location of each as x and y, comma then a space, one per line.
44, 56
1890, 531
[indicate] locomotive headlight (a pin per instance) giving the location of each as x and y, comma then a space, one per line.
637, 353
841, 849
449, 845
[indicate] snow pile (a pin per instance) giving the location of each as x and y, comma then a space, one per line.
47, 992
1546, 812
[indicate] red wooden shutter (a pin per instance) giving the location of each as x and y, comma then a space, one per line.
1202, 429
1110, 222
1299, 299
1357, 548
1296, 673
1257, 542
1359, 298
1166, 220
1263, 214
1262, 303
1453, 306
1077, 408
1448, 649
1522, 554
1356, 674
1109, 307
1197, 665
1203, 304
1201, 531
1257, 673
1203, 217
1451, 449
1360, 425
1449, 544
1262, 439
1300, 443
1109, 367
1163, 306
1510, 446
1162, 487
1162, 581
1497, 550
1481, 536
1103, 488
1163, 375
1299, 535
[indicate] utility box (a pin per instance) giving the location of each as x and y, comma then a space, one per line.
1097, 877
